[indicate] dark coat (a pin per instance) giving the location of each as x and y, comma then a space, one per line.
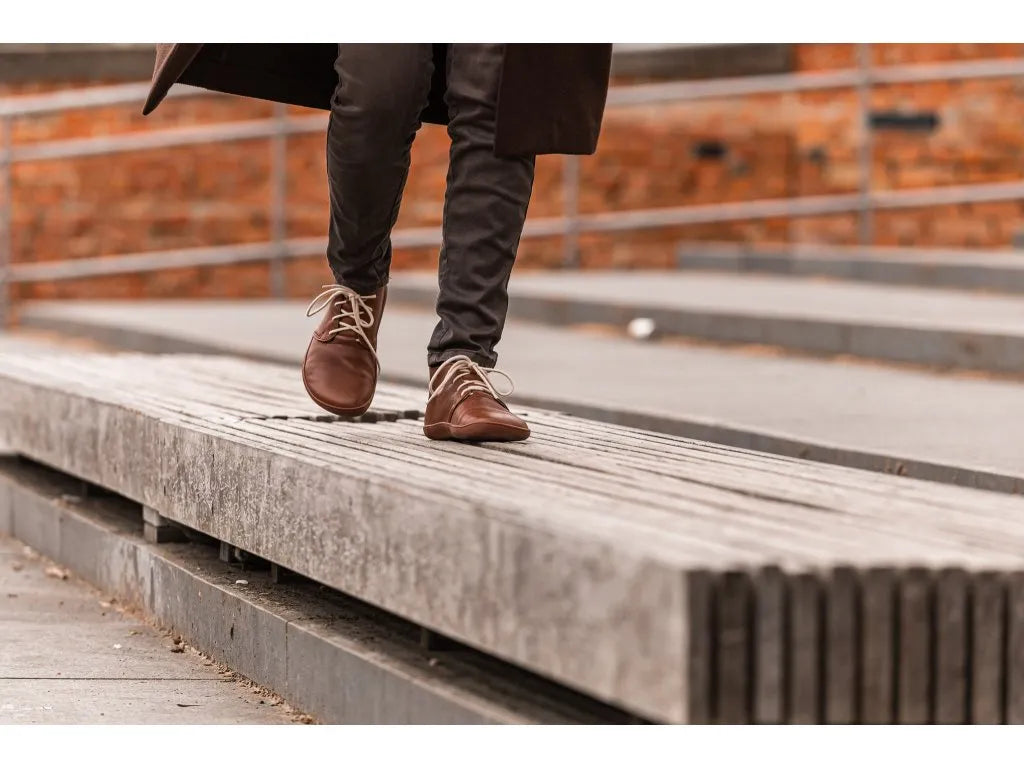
551, 99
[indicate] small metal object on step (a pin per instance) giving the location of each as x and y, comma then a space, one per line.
642, 328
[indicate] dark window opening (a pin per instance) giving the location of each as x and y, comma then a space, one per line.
904, 121
709, 150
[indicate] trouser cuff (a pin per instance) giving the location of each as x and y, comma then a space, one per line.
435, 359
363, 287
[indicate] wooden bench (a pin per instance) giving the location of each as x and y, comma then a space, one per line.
679, 580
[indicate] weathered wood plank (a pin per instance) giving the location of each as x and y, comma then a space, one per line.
1015, 649
914, 652
951, 647
841, 646
988, 649
769, 646
700, 647
805, 653
877, 647
734, 648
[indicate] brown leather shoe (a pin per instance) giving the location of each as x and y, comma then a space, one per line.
340, 369
462, 404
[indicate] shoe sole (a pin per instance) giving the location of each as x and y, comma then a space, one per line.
350, 412
476, 433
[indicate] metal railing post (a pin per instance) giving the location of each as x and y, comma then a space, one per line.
571, 212
865, 154
6, 205
278, 200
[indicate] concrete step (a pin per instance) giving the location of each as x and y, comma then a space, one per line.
345, 662
69, 654
938, 328
680, 581
939, 427
998, 271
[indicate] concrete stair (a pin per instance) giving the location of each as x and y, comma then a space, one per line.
928, 327
672, 580
997, 271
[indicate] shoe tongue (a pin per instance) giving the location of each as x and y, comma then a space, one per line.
463, 373
469, 374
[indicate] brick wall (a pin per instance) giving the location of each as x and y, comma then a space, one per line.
687, 154
978, 139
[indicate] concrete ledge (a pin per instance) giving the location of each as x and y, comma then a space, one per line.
335, 658
942, 330
1000, 271
677, 580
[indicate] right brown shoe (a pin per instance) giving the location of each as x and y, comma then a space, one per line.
341, 367
463, 404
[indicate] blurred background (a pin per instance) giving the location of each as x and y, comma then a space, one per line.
912, 145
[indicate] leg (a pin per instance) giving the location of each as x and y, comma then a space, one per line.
375, 113
484, 211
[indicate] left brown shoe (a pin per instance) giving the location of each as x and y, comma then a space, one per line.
462, 404
340, 368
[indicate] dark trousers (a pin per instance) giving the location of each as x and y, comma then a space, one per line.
375, 113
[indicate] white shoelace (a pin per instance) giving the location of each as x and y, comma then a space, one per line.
356, 317
463, 372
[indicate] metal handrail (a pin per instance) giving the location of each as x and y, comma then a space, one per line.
87, 98
236, 130
658, 93
570, 226
558, 226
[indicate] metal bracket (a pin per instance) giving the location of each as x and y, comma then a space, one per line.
281, 575
235, 556
157, 529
